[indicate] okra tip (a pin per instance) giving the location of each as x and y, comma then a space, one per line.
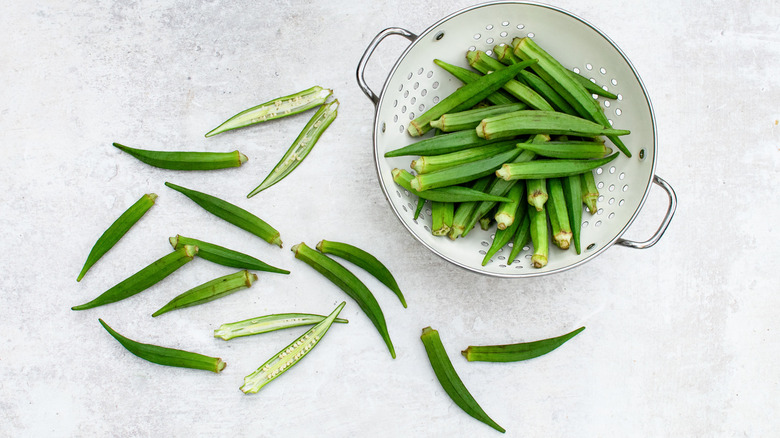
241, 157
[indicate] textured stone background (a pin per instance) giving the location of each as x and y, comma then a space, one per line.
681, 338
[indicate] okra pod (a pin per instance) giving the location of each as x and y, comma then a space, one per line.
539, 237
444, 194
540, 122
560, 78
419, 207
463, 172
301, 147
449, 379
268, 323
467, 76
350, 284
232, 213
516, 352
441, 144
224, 256
550, 168
483, 63
504, 235
292, 354
463, 98
441, 217
521, 237
274, 109
505, 54
118, 228
363, 260
465, 210
143, 279
548, 93
537, 192
470, 118
209, 291
505, 215
167, 356
572, 192
427, 164
186, 160
590, 193
571, 150
558, 214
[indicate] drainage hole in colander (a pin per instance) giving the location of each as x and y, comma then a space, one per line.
403, 109
503, 34
526, 248
395, 103
416, 86
576, 70
411, 116
502, 266
620, 96
641, 154
603, 71
613, 81
621, 202
489, 52
404, 207
598, 223
501, 258
528, 256
428, 210
398, 193
599, 171
625, 188
610, 122
600, 185
520, 26
395, 118
401, 87
406, 93
423, 92
599, 211
413, 100
601, 198
531, 35
422, 107
472, 48
439, 36
400, 128
410, 206
611, 201
611, 215
606, 103
489, 41
489, 27
611, 187
505, 23
585, 224
477, 36
409, 76
621, 176
612, 169
618, 111
485, 243
435, 85
482, 251
384, 126
519, 267
589, 67
591, 246
426, 228
430, 74
436, 99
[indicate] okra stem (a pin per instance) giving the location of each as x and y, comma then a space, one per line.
505, 215
537, 192
517, 352
590, 193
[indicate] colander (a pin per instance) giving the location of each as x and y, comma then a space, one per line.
415, 83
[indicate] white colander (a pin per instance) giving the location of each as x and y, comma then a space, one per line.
415, 83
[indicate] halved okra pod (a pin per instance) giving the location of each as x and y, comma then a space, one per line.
224, 256
550, 168
444, 194
143, 279
463, 172
572, 191
350, 284
441, 144
539, 237
365, 261
537, 192
507, 211
467, 76
464, 98
558, 214
449, 379
521, 237
210, 291
432, 163
186, 160
274, 109
516, 352
119, 228
301, 146
590, 193
292, 354
541, 122
167, 356
232, 213
483, 63
469, 119
441, 217
268, 323
572, 150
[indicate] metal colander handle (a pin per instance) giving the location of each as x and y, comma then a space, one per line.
361, 68
664, 224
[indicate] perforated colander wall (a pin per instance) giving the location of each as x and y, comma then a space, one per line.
416, 84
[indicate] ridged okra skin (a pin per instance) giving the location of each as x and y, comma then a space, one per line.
483, 63
572, 191
541, 122
517, 352
444, 194
469, 119
224, 256
463, 172
210, 291
552, 168
186, 160
467, 76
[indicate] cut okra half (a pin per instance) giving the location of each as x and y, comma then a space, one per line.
276, 108
268, 323
291, 355
301, 147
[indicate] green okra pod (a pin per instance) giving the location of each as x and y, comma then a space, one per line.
572, 192
301, 147
504, 235
350, 284
516, 352
285, 359
462, 172
467, 76
441, 144
444, 194
449, 379
483, 63
537, 192
268, 323
465, 210
118, 228
143, 279
506, 211
547, 92
428, 164
505, 54
521, 237
470, 118
570, 150
167, 356
419, 207
441, 217
540, 122
210, 291
592, 86
550, 168
276, 108
590, 193
559, 216
224, 256
539, 237
186, 160
232, 213
463, 98
365, 261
